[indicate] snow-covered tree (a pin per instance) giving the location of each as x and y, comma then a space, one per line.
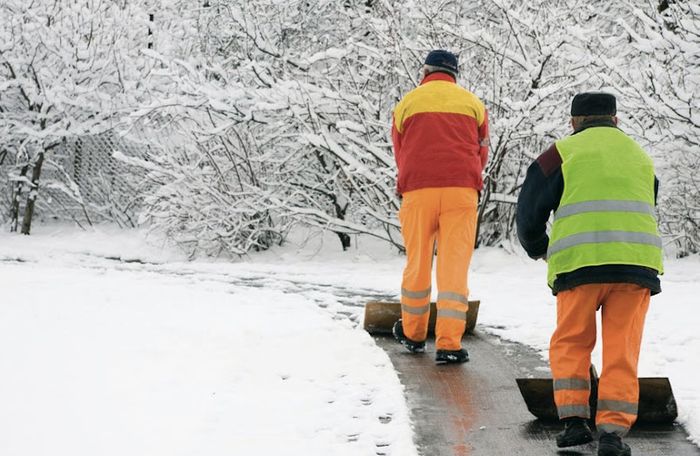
653, 61
254, 116
66, 68
298, 116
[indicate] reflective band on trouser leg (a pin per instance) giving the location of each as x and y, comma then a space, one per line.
622, 317
451, 322
570, 349
452, 305
415, 294
580, 410
607, 405
415, 313
419, 221
571, 396
612, 428
450, 318
451, 313
421, 310
572, 384
449, 295
455, 245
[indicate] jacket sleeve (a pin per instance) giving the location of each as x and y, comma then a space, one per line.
484, 140
539, 196
395, 139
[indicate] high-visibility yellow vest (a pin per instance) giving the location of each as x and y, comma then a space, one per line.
606, 213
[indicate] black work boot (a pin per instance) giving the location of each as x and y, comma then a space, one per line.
576, 432
611, 444
411, 345
451, 356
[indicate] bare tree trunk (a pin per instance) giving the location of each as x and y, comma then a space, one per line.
16, 195
31, 199
344, 240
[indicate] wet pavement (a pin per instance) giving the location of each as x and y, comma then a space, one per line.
476, 408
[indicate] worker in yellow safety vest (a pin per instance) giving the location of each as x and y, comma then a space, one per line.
603, 253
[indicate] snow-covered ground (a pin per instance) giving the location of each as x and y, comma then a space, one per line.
102, 360
110, 345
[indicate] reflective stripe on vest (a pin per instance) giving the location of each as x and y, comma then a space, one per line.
601, 237
604, 206
606, 212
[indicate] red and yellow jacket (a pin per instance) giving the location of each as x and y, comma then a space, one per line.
440, 135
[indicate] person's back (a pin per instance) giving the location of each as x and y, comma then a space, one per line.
606, 212
438, 132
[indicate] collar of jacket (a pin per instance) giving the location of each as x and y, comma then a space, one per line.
594, 123
438, 76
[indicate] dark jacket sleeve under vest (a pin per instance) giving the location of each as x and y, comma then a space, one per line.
540, 195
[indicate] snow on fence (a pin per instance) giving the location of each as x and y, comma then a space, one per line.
81, 181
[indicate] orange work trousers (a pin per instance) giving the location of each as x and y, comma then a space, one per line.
623, 309
446, 216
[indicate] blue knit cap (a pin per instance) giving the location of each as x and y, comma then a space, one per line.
443, 59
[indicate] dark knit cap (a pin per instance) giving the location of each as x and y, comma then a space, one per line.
443, 59
593, 104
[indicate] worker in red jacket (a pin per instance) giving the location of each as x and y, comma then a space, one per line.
440, 136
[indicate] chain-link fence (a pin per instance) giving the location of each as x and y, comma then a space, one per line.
80, 181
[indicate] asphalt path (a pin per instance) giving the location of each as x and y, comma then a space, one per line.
476, 409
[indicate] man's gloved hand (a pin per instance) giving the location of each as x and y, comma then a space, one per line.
540, 257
